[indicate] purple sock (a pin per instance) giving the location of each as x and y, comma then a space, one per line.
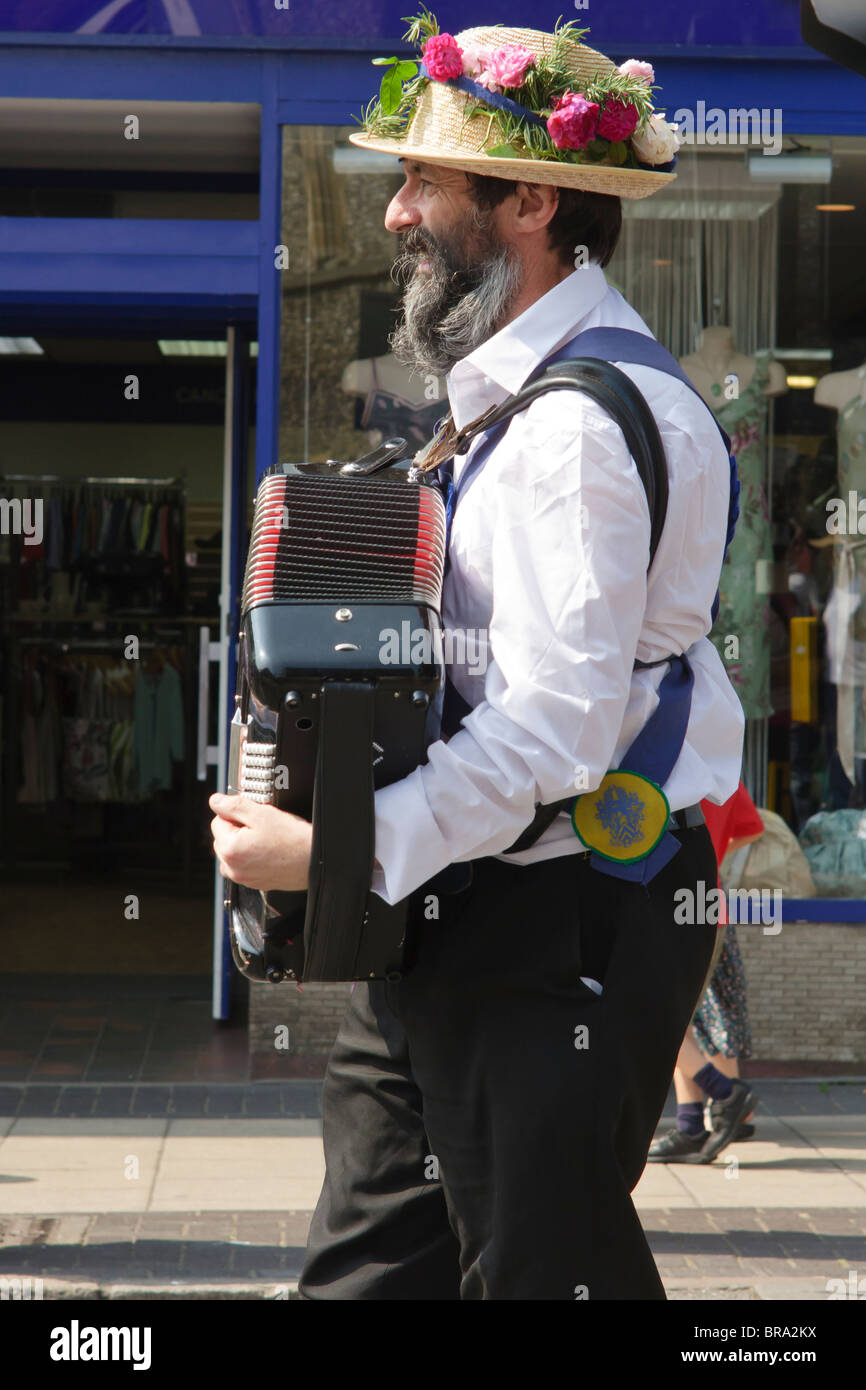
690, 1117
714, 1082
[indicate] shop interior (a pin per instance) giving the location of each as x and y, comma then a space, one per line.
113, 430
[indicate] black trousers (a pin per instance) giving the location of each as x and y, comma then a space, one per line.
487, 1117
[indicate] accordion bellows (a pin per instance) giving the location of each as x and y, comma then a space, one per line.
325, 711
345, 540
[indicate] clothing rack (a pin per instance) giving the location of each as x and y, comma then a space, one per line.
90, 482
124, 593
84, 644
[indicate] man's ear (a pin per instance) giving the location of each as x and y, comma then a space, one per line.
537, 203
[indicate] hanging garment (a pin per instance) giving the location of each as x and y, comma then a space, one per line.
85, 759
122, 783
744, 610
158, 728
40, 745
86, 743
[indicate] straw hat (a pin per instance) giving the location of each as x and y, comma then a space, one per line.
439, 132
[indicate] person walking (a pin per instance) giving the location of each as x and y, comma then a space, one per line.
487, 1116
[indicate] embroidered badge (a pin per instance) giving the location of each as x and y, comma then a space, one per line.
623, 819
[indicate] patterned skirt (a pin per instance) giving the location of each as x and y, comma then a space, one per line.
722, 1021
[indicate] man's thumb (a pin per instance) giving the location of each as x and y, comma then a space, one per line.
234, 808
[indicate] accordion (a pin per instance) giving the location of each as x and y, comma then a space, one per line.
339, 666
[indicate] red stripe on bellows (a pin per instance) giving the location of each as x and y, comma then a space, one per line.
423, 547
271, 531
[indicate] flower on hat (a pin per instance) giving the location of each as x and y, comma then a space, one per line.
476, 57
509, 66
658, 142
572, 122
642, 72
618, 119
443, 58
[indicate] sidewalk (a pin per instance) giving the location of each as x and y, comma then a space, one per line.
206, 1191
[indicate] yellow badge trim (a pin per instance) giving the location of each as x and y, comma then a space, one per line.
624, 818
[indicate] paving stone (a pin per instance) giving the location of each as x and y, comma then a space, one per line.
151, 1100
10, 1099
113, 1100
77, 1100
39, 1100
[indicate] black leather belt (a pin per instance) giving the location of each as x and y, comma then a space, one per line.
687, 818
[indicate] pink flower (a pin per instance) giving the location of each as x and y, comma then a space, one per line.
476, 57
618, 119
573, 121
508, 66
642, 72
443, 58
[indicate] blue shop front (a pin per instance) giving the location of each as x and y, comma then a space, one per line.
194, 284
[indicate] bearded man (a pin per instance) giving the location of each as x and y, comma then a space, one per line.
487, 1116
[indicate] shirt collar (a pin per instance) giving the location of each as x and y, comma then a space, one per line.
501, 365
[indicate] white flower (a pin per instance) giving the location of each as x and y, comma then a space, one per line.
658, 142
475, 58
642, 72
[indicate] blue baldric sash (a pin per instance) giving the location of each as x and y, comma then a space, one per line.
634, 827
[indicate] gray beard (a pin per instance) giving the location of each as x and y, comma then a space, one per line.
448, 311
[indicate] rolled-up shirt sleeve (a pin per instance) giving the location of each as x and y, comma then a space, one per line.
568, 555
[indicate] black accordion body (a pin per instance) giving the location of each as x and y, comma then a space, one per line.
339, 664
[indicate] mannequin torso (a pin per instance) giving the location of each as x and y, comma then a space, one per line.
840, 388
717, 359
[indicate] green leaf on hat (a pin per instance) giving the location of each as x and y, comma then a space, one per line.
503, 152
382, 62
390, 92
406, 70
617, 152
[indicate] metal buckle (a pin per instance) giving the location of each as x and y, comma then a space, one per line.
378, 458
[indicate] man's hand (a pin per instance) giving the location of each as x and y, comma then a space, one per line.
259, 846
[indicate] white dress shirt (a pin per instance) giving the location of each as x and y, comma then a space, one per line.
548, 577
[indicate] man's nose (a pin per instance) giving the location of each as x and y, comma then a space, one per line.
401, 214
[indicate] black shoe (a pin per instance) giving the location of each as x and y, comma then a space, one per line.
725, 1116
742, 1132
678, 1147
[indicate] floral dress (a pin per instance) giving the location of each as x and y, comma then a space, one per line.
722, 1020
744, 612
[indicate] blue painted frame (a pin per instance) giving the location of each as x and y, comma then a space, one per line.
269, 289
64, 260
